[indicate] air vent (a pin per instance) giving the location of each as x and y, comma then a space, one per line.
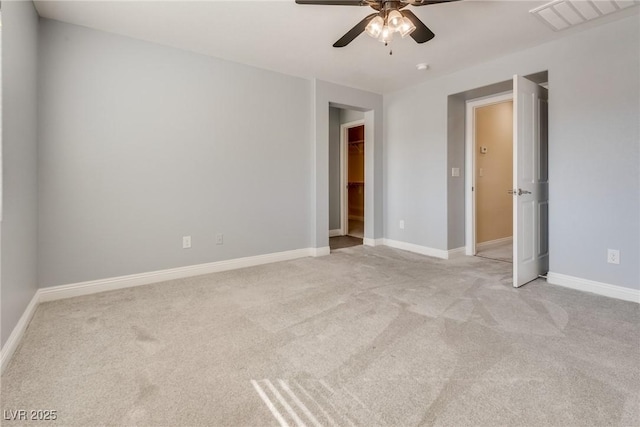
562, 14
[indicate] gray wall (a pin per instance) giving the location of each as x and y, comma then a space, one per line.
142, 144
337, 117
347, 115
18, 246
455, 185
593, 151
334, 168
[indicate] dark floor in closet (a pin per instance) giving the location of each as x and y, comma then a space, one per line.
341, 242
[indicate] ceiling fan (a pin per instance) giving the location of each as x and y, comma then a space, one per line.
388, 19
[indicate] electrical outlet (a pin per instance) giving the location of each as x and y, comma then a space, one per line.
613, 256
402, 224
186, 242
219, 239
455, 171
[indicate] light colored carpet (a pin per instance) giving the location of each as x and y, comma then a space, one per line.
365, 336
500, 252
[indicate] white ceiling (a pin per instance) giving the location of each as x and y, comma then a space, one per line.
282, 36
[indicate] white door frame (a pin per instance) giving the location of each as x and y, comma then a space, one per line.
470, 164
344, 175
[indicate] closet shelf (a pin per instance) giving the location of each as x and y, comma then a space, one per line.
357, 144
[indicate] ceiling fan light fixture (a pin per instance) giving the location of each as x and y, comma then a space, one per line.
386, 35
390, 17
394, 20
374, 28
407, 27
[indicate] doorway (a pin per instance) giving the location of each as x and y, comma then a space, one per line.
352, 186
346, 177
353, 156
491, 196
492, 146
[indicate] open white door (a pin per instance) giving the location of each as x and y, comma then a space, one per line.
530, 181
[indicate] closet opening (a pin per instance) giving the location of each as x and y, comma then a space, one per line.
346, 178
353, 203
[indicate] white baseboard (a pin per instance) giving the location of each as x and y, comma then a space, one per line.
455, 253
316, 252
372, 242
14, 339
495, 242
95, 286
336, 232
422, 250
599, 288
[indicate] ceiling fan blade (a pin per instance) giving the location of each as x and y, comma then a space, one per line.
355, 31
426, 2
421, 34
334, 2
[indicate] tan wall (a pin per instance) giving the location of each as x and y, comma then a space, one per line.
494, 172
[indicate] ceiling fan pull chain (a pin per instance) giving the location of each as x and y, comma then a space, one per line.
390, 49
